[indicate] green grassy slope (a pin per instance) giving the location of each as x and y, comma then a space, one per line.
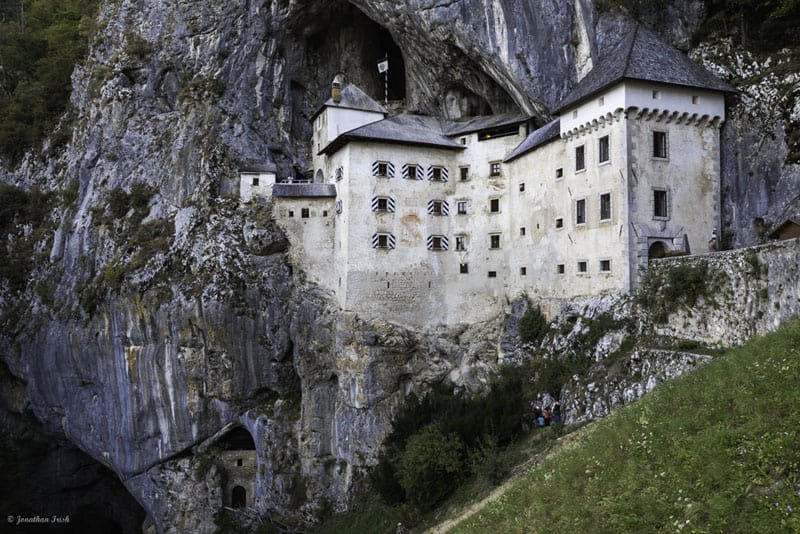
717, 450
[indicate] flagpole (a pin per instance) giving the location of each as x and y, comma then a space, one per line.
383, 68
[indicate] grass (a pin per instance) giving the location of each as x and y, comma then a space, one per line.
717, 450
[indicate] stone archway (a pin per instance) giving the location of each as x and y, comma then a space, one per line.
238, 497
657, 250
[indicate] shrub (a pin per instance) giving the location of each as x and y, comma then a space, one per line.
430, 466
533, 326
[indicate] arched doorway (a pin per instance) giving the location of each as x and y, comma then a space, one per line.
657, 250
238, 497
319, 178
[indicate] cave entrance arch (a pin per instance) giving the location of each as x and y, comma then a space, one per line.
238, 497
657, 250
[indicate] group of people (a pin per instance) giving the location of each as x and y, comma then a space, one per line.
547, 416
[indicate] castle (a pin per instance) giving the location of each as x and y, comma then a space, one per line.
424, 221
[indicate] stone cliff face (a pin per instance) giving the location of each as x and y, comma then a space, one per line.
159, 310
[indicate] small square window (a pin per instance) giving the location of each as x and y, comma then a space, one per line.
695, 99
304, 213
521, 187
660, 145
461, 243
492, 274
494, 205
656, 95
494, 168
436, 175
494, 241
463, 268
383, 169
582, 266
603, 155
382, 204
464, 174
239, 462
523, 271
462, 207
522, 230
412, 172
324, 213
463, 140
560, 222
605, 206
605, 266
436, 243
560, 268
291, 213
436, 207
580, 160
580, 211
255, 181
559, 173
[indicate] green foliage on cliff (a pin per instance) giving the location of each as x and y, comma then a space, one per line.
40, 42
533, 326
670, 286
717, 450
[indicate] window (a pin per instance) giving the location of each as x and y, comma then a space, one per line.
304, 213
660, 205
463, 268
603, 155
494, 241
494, 205
461, 243
383, 204
560, 222
463, 140
324, 213
695, 99
660, 145
438, 207
559, 173
464, 174
523, 271
494, 168
492, 274
580, 211
412, 172
580, 162
437, 242
521, 187
605, 206
291, 213
560, 268
239, 460
656, 95
437, 174
605, 266
255, 181
522, 231
462, 207
383, 169
339, 174
383, 240
582, 267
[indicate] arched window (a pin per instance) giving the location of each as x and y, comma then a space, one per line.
238, 497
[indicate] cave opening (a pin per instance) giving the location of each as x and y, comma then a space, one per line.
340, 38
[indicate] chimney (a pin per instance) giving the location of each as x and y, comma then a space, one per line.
336, 88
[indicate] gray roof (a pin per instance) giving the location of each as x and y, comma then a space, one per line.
641, 55
405, 129
483, 123
259, 167
303, 190
535, 139
352, 98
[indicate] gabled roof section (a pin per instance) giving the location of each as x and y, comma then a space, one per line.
406, 129
641, 55
352, 98
484, 122
535, 139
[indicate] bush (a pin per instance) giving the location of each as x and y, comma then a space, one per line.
533, 326
430, 466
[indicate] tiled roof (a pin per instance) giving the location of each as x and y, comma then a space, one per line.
483, 123
352, 98
406, 129
535, 139
641, 55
